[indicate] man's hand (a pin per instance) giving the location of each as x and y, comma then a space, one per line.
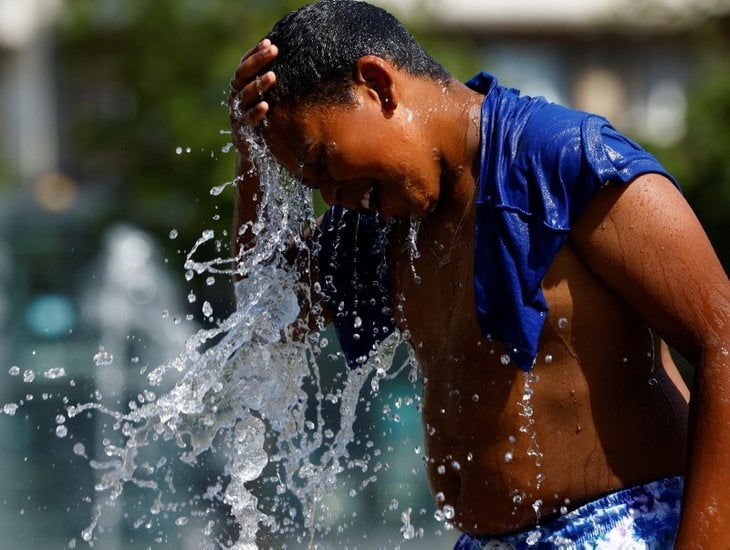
245, 103
247, 110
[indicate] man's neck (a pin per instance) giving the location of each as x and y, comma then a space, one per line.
458, 127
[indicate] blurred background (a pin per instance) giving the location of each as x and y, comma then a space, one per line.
113, 131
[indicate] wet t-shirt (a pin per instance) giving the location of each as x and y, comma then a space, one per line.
540, 164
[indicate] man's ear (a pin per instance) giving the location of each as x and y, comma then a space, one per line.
379, 78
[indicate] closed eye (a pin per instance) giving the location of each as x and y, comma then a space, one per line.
313, 164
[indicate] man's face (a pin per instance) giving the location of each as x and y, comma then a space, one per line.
359, 156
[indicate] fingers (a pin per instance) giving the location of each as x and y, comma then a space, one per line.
252, 63
253, 92
247, 105
248, 86
257, 113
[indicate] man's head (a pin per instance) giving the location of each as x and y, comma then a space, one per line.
320, 44
353, 105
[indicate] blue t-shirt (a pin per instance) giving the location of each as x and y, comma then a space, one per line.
540, 164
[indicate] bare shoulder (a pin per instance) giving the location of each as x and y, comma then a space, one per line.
645, 242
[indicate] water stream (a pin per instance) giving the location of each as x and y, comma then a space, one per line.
246, 389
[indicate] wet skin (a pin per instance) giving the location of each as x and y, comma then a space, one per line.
600, 422
609, 409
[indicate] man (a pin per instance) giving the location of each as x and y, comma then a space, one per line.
550, 244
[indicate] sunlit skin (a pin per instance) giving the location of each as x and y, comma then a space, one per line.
610, 409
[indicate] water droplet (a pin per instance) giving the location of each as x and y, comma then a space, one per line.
192, 297
548, 359
562, 323
14, 370
207, 309
61, 430
508, 456
441, 469
539, 479
449, 511
28, 376
178, 150
79, 449
407, 529
505, 359
217, 190
10, 408
173, 234
57, 372
533, 537
103, 358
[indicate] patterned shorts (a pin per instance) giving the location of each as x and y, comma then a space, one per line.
640, 518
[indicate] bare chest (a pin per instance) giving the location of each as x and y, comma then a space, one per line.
434, 302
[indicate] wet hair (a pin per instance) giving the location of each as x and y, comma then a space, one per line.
319, 45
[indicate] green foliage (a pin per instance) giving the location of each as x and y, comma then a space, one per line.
701, 161
141, 79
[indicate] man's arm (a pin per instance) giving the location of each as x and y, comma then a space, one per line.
645, 242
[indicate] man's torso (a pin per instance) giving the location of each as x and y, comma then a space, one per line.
598, 413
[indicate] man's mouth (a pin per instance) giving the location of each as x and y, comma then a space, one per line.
370, 200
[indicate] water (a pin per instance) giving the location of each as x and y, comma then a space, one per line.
413, 252
245, 391
533, 450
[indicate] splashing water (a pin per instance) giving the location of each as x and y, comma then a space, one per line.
530, 378
242, 387
412, 241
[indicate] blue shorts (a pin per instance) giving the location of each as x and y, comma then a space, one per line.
642, 517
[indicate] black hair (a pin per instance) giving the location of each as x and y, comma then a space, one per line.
319, 45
